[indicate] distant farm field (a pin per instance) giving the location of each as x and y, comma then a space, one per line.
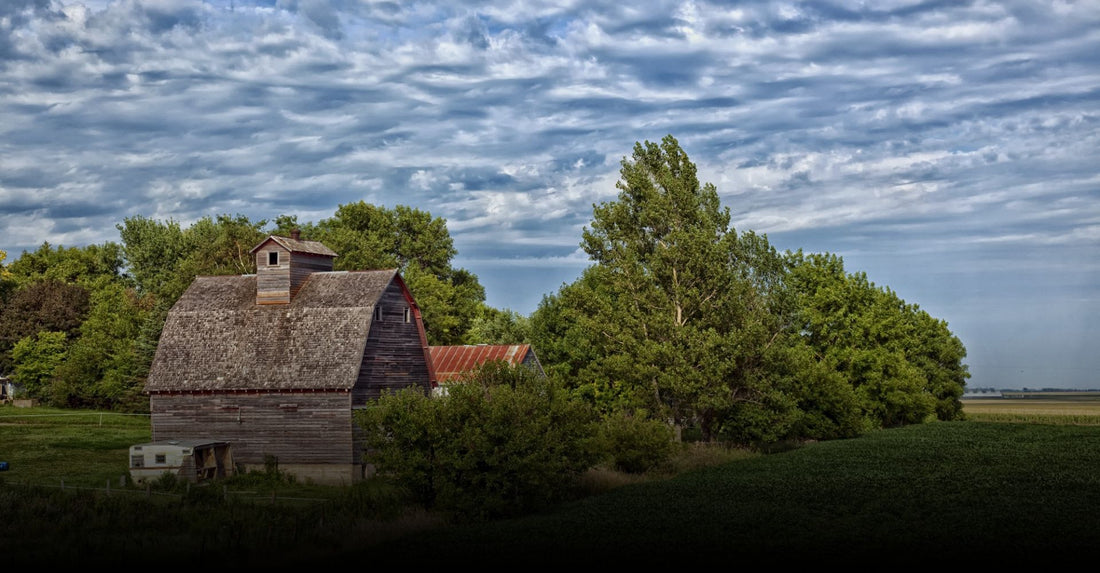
1080, 408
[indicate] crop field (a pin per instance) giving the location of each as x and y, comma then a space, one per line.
1080, 408
975, 493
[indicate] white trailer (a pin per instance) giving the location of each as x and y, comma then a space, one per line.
193, 460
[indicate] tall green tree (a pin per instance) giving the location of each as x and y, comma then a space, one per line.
495, 326
903, 365
43, 306
105, 367
678, 311
164, 257
221, 245
86, 266
36, 358
154, 251
414, 242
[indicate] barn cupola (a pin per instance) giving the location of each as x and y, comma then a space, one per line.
284, 263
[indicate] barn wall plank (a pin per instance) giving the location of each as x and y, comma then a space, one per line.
299, 427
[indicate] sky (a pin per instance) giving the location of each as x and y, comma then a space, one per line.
950, 150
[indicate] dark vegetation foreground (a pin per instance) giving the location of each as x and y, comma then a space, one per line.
930, 495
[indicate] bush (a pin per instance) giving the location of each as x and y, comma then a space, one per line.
635, 443
503, 442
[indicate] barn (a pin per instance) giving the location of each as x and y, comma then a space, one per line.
451, 363
276, 363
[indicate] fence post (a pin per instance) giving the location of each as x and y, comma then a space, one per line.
108, 487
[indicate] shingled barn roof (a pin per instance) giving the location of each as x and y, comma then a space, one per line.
297, 246
452, 362
217, 338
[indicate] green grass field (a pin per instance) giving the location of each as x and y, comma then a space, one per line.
935, 495
49, 446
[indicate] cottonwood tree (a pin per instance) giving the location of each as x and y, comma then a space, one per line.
679, 312
164, 258
682, 315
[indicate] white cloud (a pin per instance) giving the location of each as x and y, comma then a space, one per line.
943, 124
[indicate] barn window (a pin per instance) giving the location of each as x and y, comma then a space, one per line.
408, 315
273, 258
378, 313
161, 459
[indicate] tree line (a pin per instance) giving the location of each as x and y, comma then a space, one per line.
79, 325
681, 324
679, 318
683, 317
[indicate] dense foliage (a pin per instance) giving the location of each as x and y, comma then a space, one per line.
973, 492
79, 326
680, 319
683, 316
502, 442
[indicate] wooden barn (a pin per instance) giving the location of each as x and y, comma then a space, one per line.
450, 363
277, 362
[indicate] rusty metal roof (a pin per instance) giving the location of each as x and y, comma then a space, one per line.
451, 362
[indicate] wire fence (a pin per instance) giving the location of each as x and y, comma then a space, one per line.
100, 415
149, 492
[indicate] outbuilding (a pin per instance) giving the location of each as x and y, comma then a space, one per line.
192, 460
451, 363
276, 363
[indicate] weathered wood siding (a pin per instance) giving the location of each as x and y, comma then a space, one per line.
396, 356
295, 427
531, 361
272, 281
277, 284
302, 264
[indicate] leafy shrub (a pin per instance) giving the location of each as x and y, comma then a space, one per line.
636, 443
505, 441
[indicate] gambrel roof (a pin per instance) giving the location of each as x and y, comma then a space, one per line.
452, 362
217, 338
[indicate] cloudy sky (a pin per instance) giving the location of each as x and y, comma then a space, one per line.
949, 149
